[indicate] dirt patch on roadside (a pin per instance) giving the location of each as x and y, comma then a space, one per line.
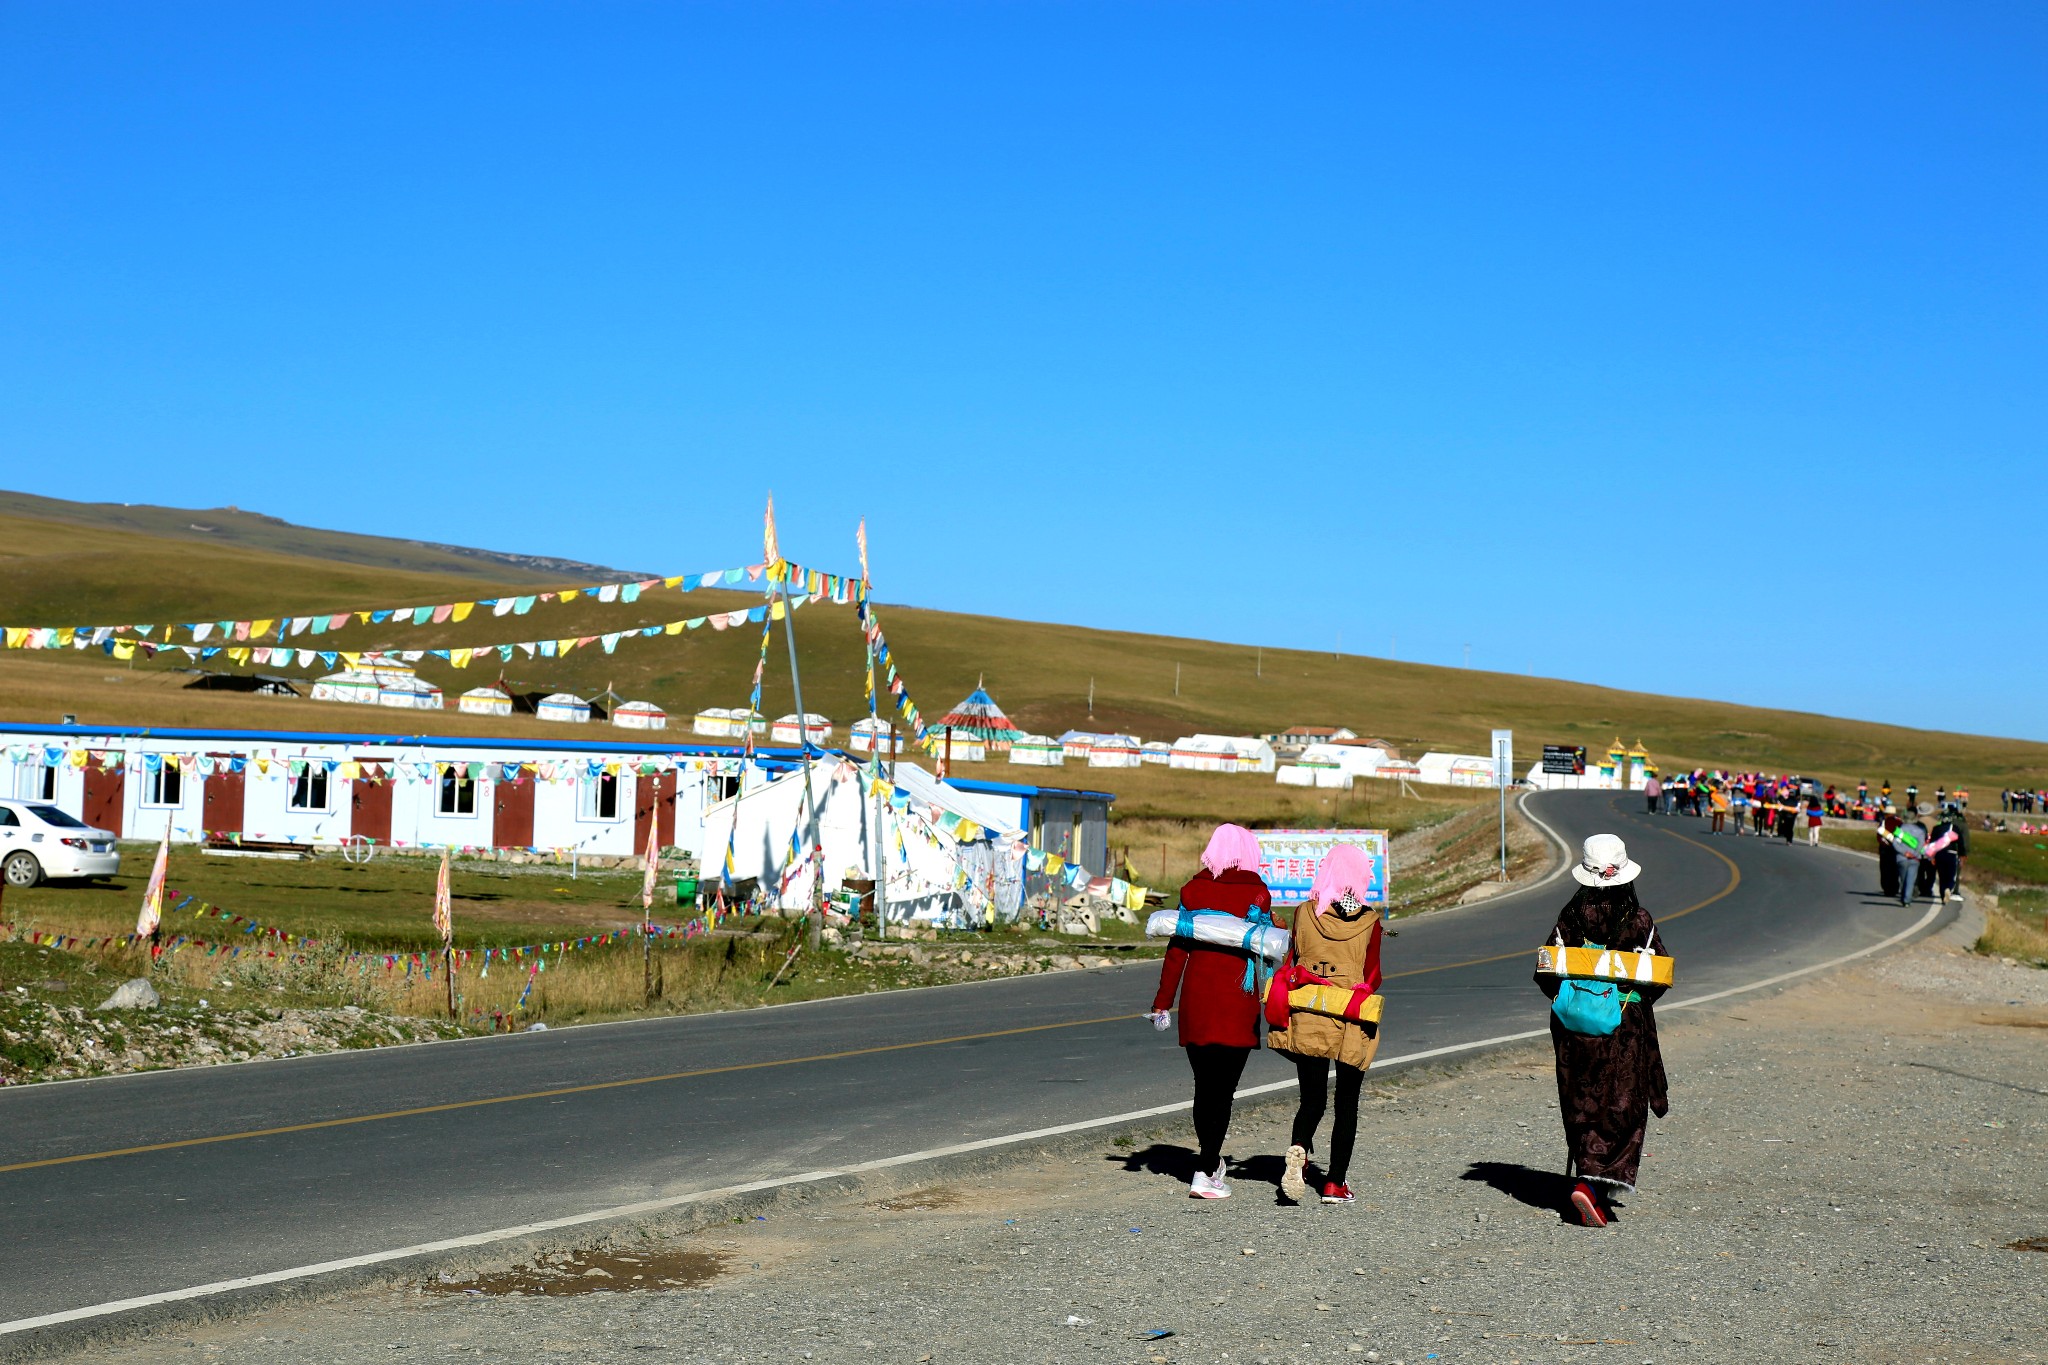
591, 1272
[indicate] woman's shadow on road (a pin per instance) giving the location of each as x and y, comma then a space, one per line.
1546, 1190
1171, 1159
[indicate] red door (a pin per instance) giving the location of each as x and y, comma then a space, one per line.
654, 800
369, 809
224, 803
103, 796
512, 814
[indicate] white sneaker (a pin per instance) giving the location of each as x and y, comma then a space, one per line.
1206, 1186
1292, 1184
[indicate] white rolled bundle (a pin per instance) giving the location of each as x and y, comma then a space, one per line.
1225, 931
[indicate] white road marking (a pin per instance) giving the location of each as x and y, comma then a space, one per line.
650, 1206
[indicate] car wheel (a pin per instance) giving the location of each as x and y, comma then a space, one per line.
21, 869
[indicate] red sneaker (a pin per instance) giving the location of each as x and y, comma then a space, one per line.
1333, 1193
1588, 1205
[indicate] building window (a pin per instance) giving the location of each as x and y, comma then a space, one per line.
600, 797
309, 789
458, 793
164, 787
35, 782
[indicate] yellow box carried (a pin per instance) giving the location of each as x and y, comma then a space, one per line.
1605, 964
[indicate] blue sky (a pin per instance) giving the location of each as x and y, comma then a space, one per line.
1693, 348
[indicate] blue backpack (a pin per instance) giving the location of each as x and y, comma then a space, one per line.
1591, 1007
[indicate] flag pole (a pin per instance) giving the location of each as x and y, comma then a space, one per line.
647, 904
444, 920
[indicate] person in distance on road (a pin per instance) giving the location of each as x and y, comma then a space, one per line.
1653, 792
1219, 1014
1607, 1084
1336, 943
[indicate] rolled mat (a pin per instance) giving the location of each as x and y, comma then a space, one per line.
1339, 1002
1605, 964
1221, 930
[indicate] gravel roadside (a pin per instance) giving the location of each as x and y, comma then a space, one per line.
1851, 1172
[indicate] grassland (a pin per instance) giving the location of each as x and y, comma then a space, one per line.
57, 572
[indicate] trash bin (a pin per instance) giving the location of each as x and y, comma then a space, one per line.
686, 891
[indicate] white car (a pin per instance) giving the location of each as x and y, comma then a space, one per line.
38, 841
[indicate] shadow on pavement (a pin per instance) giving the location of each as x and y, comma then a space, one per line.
1546, 1190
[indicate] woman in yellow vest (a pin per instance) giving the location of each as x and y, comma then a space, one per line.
1323, 1008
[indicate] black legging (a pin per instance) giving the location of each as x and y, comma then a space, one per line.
1217, 1068
1315, 1088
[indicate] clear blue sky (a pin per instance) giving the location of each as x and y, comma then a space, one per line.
1692, 348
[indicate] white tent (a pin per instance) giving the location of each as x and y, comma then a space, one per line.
1357, 760
1114, 751
870, 734
1038, 751
484, 701
957, 746
1203, 754
723, 723
1254, 755
1077, 743
1456, 770
925, 858
562, 706
409, 694
348, 686
640, 715
816, 729
1156, 751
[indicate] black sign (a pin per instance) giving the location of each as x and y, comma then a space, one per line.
1565, 759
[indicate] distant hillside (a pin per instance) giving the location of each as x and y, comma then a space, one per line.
66, 571
255, 531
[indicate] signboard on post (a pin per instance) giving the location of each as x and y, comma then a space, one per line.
1503, 758
1565, 760
1289, 858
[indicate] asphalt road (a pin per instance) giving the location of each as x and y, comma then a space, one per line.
656, 1108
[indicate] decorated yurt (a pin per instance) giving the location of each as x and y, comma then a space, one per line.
872, 735
409, 694
348, 686
715, 721
484, 701
812, 729
981, 718
1038, 751
1155, 751
639, 715
562, 706
1114, 751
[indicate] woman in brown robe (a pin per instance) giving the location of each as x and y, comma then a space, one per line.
1607, 1085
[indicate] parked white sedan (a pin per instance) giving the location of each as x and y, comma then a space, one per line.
39, 841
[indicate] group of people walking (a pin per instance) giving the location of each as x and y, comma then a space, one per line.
1769, 805
1320, 1008
1916, 858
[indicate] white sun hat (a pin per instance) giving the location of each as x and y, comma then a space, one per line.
1606, 863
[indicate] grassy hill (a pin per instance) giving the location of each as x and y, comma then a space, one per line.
119, 564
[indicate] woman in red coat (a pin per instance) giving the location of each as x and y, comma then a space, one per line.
1218, 1016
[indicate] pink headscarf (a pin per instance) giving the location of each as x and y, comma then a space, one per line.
1346, 868
1231, 846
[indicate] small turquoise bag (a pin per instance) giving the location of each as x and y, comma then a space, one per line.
1590, 1007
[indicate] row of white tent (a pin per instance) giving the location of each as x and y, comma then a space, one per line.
1339, 765
402, 689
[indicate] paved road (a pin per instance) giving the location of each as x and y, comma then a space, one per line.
662, 1107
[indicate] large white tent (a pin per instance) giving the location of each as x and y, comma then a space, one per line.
870, 734
939, 869
813, 729
1114, 751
